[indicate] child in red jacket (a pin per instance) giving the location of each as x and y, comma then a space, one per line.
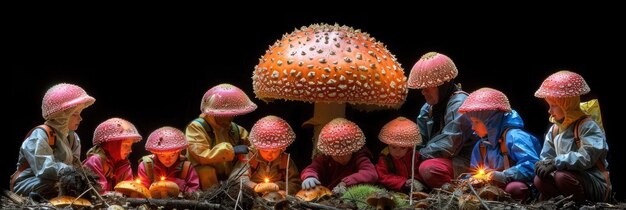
345, 162
396, 160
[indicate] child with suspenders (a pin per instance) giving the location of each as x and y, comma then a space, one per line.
573, 159
53, 146
108, 158
166, 162
269, 168
508, 153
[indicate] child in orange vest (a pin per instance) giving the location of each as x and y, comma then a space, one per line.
166, 163
268, 165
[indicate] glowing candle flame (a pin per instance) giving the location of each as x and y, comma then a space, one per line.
162, 178
481, 171
267, 180
138, 181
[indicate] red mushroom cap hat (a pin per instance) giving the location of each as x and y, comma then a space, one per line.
340, 137
62, 97
400, 132
485, 99
271, 132
115, 129
330, 63
166, 139
563, 84
431, 70
226, 100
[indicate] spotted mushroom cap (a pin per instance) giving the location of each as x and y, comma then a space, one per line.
485, 99
170, 187
340, 137
115, 129
166, 139
563, 84
271, 132
226, 100
330, 63
62, 97
128, 187
432, 70
400, 132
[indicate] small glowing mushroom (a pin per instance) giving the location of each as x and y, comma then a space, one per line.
134, 189
313, 193
63, 201
330, 65
164, 189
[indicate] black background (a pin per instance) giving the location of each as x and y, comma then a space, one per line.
152, 67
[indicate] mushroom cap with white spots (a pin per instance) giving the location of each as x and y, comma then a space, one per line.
340, 137
563, 84
226, 100
62, 97
431, 70
271, 132
115, 129
166, 139
400, 132
485, 99
333, 64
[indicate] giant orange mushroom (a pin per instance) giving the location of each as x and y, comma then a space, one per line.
330, 65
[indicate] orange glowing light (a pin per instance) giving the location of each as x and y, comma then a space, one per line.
162, 178
138, 181
267, 180
481, 171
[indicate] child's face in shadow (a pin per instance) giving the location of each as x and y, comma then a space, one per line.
479, 127
398, 152
126, 148
270, 155
343, 159
168, 158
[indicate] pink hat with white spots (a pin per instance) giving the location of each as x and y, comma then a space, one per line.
340, 137
400, 132
62, 97
226, 100
432, 70
115, 129
563, 84
166, 139
271, 132
485, 99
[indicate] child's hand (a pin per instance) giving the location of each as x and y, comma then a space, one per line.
309, 183
240, 149
340, 188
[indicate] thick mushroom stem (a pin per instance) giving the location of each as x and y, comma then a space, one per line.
322, 114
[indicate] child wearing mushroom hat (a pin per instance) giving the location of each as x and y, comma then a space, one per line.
166, 163
269, 165
53, 146
447, 139
397, 159
345, 160
573, 158
214, 139
108, 158
506, 151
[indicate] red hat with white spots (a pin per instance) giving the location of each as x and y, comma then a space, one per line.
563, 84
432, 70
226, 100
340, 137
485, 99
62, 97
166, 139
400, 132
115, 129
271, 132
